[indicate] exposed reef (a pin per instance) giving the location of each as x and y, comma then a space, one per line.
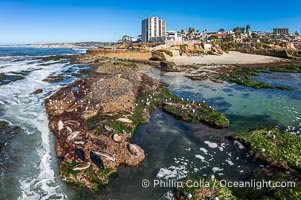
242, 77
281, 152
203, 188
95, 117
277, 148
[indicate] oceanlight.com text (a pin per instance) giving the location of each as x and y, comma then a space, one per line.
256, 184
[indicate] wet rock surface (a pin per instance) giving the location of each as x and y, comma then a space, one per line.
51, 79
281, 152
169, 66
38, 91
7, 133
90, 148
208, 188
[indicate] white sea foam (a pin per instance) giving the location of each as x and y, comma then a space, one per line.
211, 144
200, 157
173, 172
229, 161
168, 196
188, 149
217, 169
205, 151
238, 144
37, 178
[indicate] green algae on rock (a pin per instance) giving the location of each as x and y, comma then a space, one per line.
8, 78
186, 110
242, 77
289, 68
278, 148
3, 124
203, 188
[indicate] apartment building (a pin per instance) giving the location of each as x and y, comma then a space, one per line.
280, 31
153, 30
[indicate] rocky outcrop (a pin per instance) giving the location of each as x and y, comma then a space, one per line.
161, 55
50, 79
114, 94
158, 56
38, 91
282, 51
85, 116
195, 49
93, 120
169, 66
7, 133
125, 54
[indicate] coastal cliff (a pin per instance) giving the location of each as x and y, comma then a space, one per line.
281, 50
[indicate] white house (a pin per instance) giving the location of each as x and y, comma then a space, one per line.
173, 36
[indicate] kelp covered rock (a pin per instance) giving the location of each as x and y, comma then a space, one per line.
278, 148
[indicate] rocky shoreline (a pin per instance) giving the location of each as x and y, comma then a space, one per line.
94, 117
238, 73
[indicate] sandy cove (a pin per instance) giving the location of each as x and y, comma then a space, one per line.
232, 57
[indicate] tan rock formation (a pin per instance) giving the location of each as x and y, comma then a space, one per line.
109, 94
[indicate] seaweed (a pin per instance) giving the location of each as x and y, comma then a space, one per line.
67, 173
290, 68
278, 148
190, 111
6, 79
242, 77
94, 177
203, 188
3, 124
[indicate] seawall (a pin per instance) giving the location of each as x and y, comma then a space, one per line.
134, 55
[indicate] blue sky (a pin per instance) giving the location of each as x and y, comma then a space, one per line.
44, 21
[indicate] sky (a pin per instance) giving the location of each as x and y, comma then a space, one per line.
50, 21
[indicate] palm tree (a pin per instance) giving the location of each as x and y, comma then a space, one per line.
221, 30
248, 27
191, 30
242, 29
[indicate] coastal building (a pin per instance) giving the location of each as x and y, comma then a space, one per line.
153, 30
260, 34
173, 36
280, 31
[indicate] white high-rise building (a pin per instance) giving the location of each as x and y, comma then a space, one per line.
153, 30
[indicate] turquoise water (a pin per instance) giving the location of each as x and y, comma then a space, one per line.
247, 108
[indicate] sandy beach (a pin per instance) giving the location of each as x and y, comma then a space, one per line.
232, 57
